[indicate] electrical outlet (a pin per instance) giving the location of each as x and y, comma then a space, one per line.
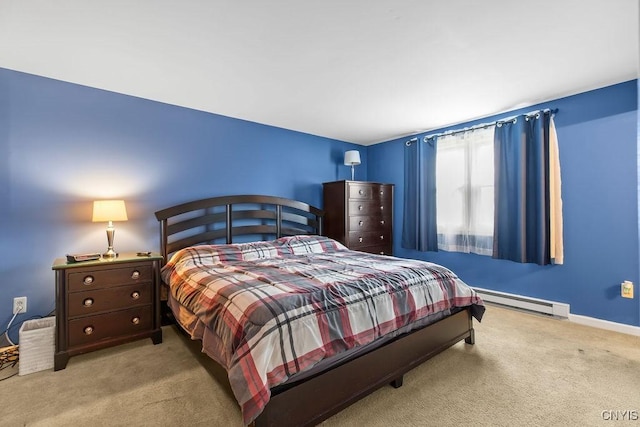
626, 289
19, 305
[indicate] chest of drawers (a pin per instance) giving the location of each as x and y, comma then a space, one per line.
359, 215
104, 303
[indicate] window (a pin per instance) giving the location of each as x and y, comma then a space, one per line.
464, 191
492, 189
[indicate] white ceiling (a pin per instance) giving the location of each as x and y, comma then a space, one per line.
362, 71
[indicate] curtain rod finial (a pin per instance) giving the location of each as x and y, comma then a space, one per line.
411, 141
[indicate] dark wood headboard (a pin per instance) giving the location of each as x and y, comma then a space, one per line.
221, 219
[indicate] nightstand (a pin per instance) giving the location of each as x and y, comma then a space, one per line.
105, 302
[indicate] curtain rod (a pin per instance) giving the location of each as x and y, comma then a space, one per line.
498, 122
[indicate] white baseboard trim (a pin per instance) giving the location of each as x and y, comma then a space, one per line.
553, 308
537, 305
605, 324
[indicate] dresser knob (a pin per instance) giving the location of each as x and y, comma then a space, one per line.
382, 192
135, 320
381, 208
135, 295
361, 192
88, 330
360, 223
382, 221
381, 237
87, 280
359, 207
360, 239
381, 252
88, 302
135, 275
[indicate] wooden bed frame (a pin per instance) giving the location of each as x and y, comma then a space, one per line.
309, 401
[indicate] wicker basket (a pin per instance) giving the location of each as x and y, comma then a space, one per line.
37, 345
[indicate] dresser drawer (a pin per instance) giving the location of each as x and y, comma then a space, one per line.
108, 299
366, 191
360, 191
383, 192
100, 278
91, 329
385, 249
369, 223
368, 207
359, 239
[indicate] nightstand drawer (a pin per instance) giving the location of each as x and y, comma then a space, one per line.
91, 329
108, 299
100, 278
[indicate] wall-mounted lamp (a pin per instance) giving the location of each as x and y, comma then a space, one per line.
352, 158
109, 210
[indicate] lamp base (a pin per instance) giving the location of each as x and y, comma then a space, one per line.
110, 254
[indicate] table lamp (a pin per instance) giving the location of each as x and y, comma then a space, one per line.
352, 158
109, 210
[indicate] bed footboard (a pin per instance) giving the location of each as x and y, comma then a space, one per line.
319, 397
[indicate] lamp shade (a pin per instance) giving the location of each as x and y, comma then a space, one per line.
109, 210
352, 157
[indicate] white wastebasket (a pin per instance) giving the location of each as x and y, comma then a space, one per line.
36, 345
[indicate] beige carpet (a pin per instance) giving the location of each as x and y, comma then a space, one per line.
524, 370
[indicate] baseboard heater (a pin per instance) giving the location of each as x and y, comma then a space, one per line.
551, 308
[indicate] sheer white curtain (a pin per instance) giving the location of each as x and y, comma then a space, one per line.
464, 191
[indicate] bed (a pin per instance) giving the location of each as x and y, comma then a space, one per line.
303, 326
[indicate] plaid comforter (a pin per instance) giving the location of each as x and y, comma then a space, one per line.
280, 307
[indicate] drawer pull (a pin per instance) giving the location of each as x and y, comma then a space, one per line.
360, 223
88, 330
360, 207
361, 192
381, 208
382, 221
135, 275
88, 302
382, 192
135, 295
135, 320
88, 280
381, 237
360, 239
381, 252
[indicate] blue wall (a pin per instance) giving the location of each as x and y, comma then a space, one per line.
598, 138
64, 145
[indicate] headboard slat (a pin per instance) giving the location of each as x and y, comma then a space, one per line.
221, 219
